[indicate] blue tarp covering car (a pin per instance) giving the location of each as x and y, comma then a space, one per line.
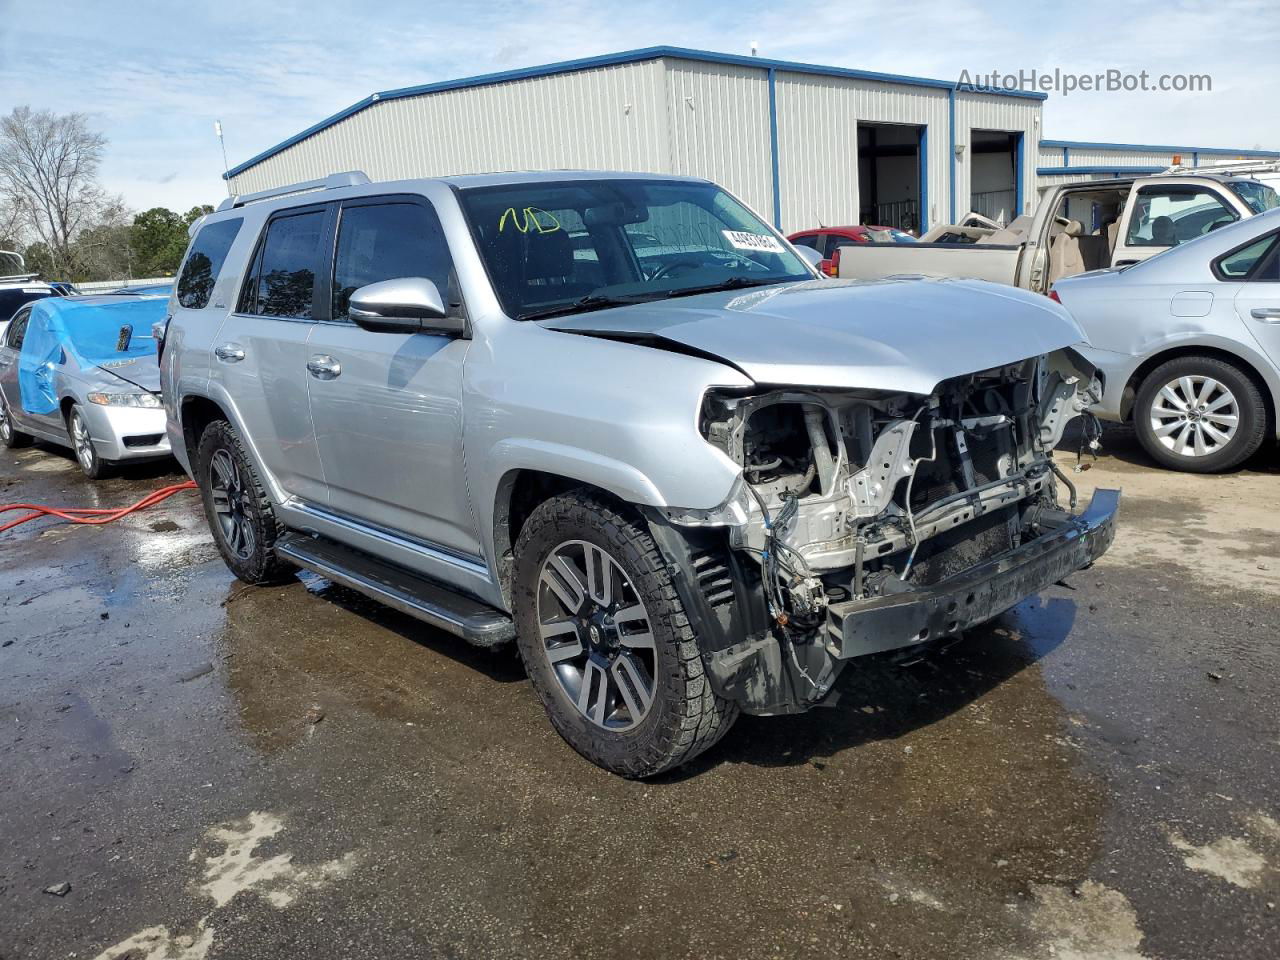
87, 333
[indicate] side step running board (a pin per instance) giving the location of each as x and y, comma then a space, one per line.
431, 602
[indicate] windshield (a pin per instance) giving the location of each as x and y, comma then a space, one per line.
1257, 196
580, 245
889, 235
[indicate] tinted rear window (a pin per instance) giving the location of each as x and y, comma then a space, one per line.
208, 252
283, 282
12, 299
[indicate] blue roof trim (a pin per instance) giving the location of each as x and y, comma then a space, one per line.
1156, 148
615, 59
1059, 171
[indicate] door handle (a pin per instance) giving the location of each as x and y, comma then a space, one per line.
324, 367
229, 352
1266, 314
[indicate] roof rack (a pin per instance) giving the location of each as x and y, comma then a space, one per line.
20, 278
349, 178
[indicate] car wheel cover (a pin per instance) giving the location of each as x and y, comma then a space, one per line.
1194, 416
82, 442
596, 635
231, 505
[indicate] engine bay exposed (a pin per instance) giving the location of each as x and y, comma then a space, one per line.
846, 495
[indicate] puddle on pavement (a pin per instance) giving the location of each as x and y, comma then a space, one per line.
939, 790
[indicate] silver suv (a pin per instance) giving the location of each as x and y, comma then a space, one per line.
618, 419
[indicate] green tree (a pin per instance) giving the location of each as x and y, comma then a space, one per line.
158, 237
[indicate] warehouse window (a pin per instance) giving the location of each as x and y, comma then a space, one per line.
208, 251
386, 241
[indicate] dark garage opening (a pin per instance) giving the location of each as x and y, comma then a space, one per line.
993, 174
890, 175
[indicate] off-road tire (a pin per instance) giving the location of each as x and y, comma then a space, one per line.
1250, 431
10, 436
686, 716
94, 467
261, 566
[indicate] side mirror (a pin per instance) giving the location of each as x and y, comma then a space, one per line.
809, 255
404, 305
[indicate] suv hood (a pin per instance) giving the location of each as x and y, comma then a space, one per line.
903, 335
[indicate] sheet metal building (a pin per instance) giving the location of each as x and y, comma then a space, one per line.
1072, 161
803, 144
800, 143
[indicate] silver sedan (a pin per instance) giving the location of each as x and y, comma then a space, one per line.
1189, 344
105, 413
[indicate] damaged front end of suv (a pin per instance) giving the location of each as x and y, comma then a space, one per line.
869, 520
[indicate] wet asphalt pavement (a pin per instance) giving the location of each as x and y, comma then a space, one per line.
228, 772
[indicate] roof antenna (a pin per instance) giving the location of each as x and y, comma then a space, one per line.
226, 167
821, 225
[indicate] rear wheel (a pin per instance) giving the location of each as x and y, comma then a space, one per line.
94, 467
606, 641
237, 507
10, 436
1200, 415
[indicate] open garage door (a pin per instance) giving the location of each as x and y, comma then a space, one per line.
890, 175
994, 174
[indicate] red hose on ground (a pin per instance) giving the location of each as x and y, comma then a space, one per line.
91, 514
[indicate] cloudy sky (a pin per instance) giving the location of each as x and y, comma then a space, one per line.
154, 76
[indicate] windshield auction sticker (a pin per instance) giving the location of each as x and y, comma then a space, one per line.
759, 242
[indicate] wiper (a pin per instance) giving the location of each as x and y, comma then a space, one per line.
732, 283
591, 302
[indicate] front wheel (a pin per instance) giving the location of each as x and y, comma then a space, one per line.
1199, 415
94, 467
606, 641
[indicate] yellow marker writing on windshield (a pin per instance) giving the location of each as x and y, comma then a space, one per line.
531, 218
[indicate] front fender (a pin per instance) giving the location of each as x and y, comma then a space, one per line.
574, 463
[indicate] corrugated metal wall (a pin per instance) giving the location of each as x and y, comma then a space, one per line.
1005, 114
1050, 157
668, 115
818, 121
719, 128
606, 118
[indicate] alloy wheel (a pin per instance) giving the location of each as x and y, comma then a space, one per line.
1194, 416
6, 425
230, 505
596, 635
82, 442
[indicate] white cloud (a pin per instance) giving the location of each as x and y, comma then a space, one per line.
156, 77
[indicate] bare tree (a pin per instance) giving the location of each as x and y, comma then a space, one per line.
49, 176
10, 226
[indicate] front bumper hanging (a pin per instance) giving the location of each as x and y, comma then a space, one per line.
887, 622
